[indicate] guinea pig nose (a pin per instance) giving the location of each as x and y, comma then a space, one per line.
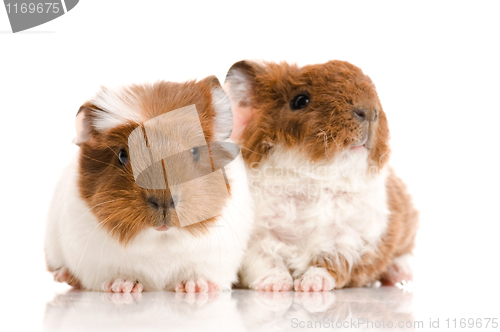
170, 203
162, 203
360, 114
154, 202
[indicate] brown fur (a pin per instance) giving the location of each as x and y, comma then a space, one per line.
324, 128
109, 188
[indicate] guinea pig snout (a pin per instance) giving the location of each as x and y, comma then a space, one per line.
366, 118
363, 114
359, 113
162, 203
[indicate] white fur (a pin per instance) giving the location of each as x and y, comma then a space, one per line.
120, 105
157, 260
306, 211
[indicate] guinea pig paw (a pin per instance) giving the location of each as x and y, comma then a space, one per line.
398, 272
64, 275
123, 286
196, 286
314, 280
277, 280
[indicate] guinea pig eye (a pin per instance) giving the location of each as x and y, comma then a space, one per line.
300, 102
123, 157
196, 153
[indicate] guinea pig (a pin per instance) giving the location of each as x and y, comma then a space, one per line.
156, 198
329, 211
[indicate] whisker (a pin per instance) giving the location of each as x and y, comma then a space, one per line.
326, 141
102, 162
260, 154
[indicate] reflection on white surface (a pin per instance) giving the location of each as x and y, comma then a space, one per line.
297, 310
239, 310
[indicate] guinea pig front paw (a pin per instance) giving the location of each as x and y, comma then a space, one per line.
64, 275
275, 280
315, 279
123, 286
196, 286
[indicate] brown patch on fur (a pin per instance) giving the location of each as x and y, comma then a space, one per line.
398, 240
109, 188
322, 129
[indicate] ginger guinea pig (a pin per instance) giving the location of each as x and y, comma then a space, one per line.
156, 197
329, 211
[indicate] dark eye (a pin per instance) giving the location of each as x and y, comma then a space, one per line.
196, 153
300, 102
123, 157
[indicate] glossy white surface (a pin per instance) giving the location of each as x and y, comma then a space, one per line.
239, 310
245, 310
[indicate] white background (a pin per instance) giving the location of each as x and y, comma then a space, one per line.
436, 66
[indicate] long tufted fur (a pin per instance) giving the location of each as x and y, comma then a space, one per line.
329, 210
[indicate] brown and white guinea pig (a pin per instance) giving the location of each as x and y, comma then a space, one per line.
109, 230
330, 213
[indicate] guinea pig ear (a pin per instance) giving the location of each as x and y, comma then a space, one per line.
240, 81
223, 122
83, 125
211, 81
239, 85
